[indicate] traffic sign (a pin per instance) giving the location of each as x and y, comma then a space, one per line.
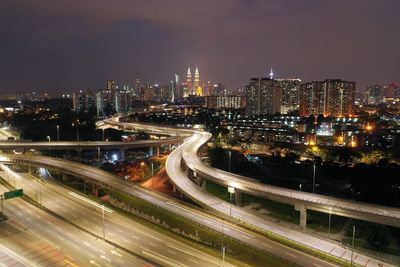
14, 193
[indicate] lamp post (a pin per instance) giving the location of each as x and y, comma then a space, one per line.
231, 191
329, 224
38, 192
230, 157
48, 138
58, 133
313, 185
223, 245
352, 244
152, 174
104, 226
77, 130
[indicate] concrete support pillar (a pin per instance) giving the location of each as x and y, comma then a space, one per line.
199, 181
157, 151
169, 147
65, 177
204, 184
98, 154
151, 151
122, 153
95, 190
238, 198
79, 150
30, 170
303, 215
174, 188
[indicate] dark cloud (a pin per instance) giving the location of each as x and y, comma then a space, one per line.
64, 45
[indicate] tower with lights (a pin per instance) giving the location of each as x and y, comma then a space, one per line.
271, 74
196, 80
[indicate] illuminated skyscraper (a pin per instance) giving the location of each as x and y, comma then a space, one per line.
271, 74
196, 80
189, 82
175, 94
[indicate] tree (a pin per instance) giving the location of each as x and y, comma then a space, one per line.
142, 135
377, 235
345, 155
216, 156
232, 140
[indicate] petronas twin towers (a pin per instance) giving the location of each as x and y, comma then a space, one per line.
193, 86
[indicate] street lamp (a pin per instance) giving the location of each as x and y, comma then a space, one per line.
48, 138
352, 244
231, 191
58, 133
329, 224
38, 192
223, 245
230, 157
313, 185
77, 130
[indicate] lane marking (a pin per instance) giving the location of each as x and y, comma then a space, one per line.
194, 255
70, 263
162, 258
291, 255
266, 245
116, 253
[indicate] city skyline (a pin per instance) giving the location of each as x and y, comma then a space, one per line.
58, 46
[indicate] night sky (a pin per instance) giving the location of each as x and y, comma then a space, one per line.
57, 45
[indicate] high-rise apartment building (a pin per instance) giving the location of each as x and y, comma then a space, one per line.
84, 101
264, 96
176, 93
330, 98
374, 94
228, 102
290, 94
122, 100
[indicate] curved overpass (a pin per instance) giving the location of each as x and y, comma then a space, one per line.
247, 218
303, 200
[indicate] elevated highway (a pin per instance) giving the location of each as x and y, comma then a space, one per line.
65, 145
301, 200
246, 218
